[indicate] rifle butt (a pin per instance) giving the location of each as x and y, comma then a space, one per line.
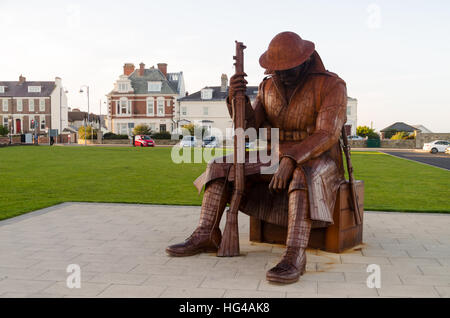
229, 246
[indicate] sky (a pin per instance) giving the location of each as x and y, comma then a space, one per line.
393, 55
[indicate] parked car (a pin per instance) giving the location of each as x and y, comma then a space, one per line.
355, 137
143, 141
436, 146
188, 141
250, 145
210, 142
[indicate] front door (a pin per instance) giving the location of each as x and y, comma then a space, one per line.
162, 127
18, 126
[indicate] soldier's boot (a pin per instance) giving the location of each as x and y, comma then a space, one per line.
207, 235
293, 262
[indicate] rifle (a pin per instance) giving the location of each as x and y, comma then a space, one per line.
230, 239
354, 196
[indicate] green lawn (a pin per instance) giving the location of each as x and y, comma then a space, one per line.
36, 177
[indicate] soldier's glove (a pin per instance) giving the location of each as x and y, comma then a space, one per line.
283, 175
237, 83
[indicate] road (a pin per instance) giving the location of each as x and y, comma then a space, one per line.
440, 160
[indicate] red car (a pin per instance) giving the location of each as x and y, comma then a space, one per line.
143, 141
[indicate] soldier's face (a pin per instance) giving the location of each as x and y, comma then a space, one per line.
292, 75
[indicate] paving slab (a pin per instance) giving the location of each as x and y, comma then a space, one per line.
120, 249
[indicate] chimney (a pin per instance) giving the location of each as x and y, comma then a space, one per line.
163, 68
128, 68
58, 81
22, 79
224, 83
141, 69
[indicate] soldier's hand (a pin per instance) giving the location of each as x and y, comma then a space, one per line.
237, 83
284, 173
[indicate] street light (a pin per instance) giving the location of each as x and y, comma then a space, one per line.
81, 91
60, 110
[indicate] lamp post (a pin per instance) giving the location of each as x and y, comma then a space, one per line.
87, 91
60, 111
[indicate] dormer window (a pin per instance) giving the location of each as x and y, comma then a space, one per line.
154, 86
207, 93
34, 89
123, 87
2, 89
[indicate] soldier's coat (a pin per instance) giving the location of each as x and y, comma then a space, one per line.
314, 117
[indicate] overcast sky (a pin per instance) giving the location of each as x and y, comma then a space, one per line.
394, 55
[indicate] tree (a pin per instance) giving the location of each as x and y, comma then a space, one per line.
191, 128
365, 131
89, 133
3, 130
142, 129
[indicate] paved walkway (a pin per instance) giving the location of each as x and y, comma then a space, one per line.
120, 250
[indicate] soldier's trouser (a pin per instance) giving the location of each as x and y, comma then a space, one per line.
299, 222
213, 204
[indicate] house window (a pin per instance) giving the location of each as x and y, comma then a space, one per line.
124, 106
34, 89
150, 107
125, 128
42, 105
205, 111
349, 111
31, 105
5, 121
31, 123
184, 110
19, 105
162, 127
42, 122
154, 86
160, 106
152, 126
2, 89
5, 105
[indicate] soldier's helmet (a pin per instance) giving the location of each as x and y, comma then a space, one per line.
285, 51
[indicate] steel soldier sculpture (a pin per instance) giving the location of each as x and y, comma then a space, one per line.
307, 104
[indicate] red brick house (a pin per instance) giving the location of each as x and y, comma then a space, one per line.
144, 96
23, 103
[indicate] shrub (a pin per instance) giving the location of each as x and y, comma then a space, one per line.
111, 135
162, 135
373, 135
3, 130
388, 134
401, 135
142, 130
90, 133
